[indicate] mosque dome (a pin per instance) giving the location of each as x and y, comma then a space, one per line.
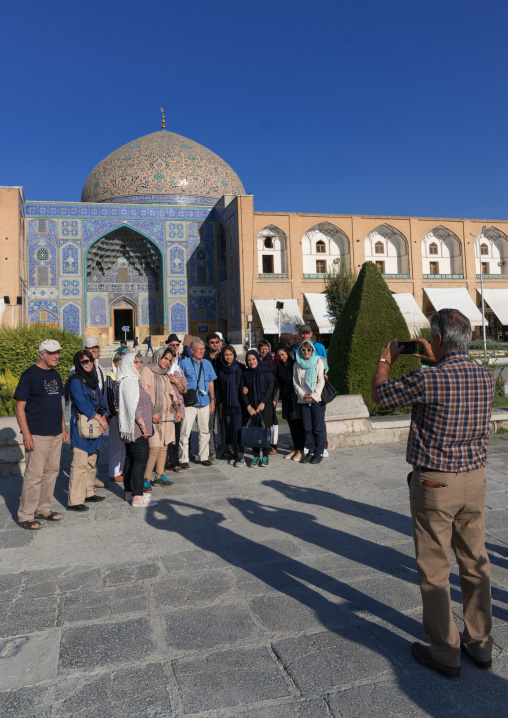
162, 166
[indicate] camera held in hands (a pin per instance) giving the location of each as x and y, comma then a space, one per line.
407, 347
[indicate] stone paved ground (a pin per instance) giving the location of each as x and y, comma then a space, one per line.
287, 592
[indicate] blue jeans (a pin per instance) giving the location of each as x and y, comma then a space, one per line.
313, 418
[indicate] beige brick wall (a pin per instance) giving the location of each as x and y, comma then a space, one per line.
12, 247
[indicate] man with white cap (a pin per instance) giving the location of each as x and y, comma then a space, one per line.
40, 417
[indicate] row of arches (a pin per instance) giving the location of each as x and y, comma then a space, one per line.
325, 245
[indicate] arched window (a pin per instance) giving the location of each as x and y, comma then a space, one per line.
200, 255
379, 248
320, 247
268, 242
42, 254
433, 248
483, 248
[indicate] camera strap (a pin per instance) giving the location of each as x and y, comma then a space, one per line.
198, 375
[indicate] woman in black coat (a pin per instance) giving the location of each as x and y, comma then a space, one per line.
230, 404
291, 411
256, 390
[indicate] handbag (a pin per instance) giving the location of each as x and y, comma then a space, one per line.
190, 398
256, 436
88, 428
329, 392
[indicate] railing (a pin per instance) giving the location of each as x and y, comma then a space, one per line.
273, 276
322, 275
443, 276
397, 276
492, 276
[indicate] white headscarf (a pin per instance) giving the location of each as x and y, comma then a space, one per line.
128, 377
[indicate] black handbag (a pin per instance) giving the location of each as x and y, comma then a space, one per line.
190, 398
256, 436
329, 392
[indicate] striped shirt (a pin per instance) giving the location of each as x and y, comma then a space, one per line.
450, 415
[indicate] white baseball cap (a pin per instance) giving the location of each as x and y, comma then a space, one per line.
89, 342
49, 345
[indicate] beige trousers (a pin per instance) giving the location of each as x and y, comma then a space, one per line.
157, 458
42, 467
82, 476
202, 415
452, 515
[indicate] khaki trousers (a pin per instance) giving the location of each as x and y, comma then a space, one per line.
452, 514
202, 415
82, 476
157, 458
42, 467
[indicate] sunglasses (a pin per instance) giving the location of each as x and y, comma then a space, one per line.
86, 361
305, 349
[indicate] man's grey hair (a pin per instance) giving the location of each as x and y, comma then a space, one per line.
454, 327
196, 341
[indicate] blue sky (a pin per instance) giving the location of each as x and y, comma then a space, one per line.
369, 107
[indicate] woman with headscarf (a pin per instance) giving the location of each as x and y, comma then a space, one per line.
267, 359
82, 388
116, 456
135, 425
155, 380
259, 382
291, 411
309, 381
230, 406
179, 381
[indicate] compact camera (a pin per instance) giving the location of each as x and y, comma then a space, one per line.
100, 410
202, 392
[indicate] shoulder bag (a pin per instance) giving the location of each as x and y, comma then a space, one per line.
88, 428
256, 435
329, 392
190, 398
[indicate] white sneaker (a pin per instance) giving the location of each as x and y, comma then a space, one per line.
325, 453
143, 501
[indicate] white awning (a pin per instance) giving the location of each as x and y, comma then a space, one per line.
497, 299
319, 310
269, 315
454, 298
2, 308
415, 318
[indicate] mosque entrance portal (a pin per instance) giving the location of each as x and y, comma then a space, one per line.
123, 318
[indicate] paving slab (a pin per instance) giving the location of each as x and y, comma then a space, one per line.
287, 592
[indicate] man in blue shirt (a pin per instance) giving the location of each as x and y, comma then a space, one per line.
200, 377
41, 421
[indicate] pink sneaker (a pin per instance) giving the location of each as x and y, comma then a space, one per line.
143, 501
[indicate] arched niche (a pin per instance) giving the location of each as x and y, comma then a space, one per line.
441, 252
394, 258
495, 259
323, 246
272, 250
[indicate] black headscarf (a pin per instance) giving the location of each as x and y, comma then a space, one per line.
262, 376
230, 379
89, 378
284, 372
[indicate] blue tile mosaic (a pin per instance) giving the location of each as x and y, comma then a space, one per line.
41, 209
70, 228
175, 199
178, 317
31, 238
71, 318
149, 313
98, 311
176, 260
70, 288
70, 259
48, 308
198, 304
175, 231
177, 287
92, 229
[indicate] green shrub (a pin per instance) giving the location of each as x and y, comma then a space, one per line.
490, 344
8, 383
19, 347
370, 319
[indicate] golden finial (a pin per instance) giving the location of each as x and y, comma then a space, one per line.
163, 119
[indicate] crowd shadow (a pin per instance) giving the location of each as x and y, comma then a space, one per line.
290, 577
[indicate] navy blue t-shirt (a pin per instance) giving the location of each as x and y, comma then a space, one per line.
42, 389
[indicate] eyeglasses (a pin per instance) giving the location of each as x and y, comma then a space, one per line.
174, 344
305, 350
86, 361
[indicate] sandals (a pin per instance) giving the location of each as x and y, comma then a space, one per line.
50, 516
30, 525
176, 469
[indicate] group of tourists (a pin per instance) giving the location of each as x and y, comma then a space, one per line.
151, 410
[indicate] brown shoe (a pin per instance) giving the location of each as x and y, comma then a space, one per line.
117, 478
479, 664
99, 484
423, 655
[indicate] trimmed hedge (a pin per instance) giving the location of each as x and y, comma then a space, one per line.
8, 384
370, 319
19, 347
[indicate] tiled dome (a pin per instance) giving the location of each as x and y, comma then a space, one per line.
159, 164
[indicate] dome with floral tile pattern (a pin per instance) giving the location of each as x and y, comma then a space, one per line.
159, 166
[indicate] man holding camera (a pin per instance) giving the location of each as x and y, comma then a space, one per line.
199, 402
447, 446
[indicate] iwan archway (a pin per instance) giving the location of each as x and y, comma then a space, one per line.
124, 284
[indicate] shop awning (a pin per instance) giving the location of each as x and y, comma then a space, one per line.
454, 298
497, 299
269, 315
319, 310
415, 318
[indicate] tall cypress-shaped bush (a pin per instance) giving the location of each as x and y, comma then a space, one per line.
18, 347
370, 319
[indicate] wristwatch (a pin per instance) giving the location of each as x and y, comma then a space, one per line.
384, 361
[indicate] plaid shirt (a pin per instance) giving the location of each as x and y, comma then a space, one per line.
451, 412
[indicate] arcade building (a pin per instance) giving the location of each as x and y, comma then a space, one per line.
165, 240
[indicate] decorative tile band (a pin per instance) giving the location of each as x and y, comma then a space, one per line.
183, 200
492, 276
314, 276
397, 276
443, 276
36, 209
274, 276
